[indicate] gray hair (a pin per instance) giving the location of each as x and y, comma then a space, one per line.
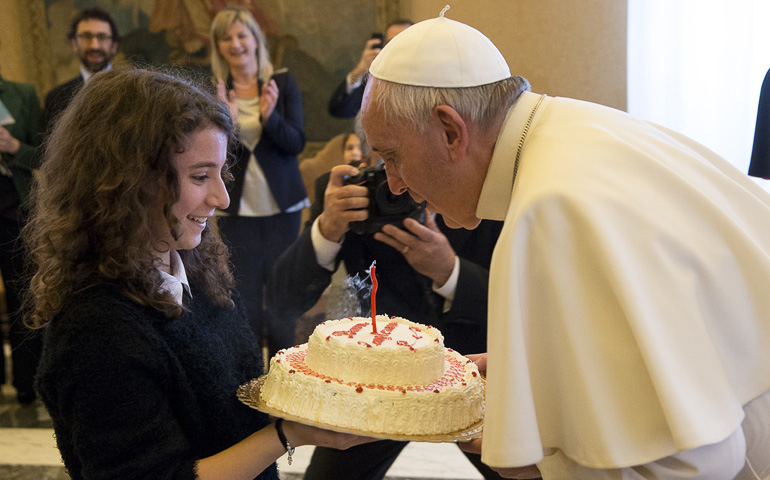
480, 105
219, 26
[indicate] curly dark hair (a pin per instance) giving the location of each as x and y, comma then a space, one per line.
107, 162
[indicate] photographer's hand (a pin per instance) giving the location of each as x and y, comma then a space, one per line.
424, 246
342, 204
371, 50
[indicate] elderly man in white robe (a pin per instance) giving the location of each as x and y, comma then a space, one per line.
629, 318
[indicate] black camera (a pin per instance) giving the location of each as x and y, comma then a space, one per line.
378, 36
384, 207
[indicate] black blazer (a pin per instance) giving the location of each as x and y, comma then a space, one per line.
297, 281
58, 99
760, 153
283, 138
344, 104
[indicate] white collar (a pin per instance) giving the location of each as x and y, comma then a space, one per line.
176, 282
87, 75
498, 185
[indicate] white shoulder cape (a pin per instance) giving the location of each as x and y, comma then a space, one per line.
629, 312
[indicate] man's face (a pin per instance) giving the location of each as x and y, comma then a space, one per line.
420, 163
94, 45
394, 30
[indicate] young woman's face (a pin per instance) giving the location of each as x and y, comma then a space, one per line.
201, 188
352, 149
238, 46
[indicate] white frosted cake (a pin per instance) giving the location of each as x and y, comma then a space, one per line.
399, 381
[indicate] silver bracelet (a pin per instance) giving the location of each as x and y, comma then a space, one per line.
279, 429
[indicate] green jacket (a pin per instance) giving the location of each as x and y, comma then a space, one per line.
22, 102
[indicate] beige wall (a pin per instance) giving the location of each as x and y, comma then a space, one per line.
564, 48
24, 45
10, 43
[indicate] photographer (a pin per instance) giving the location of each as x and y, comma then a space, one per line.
346, 99
412, 265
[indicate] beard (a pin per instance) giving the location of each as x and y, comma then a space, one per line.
95, 65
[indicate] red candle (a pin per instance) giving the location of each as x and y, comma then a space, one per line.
374, 296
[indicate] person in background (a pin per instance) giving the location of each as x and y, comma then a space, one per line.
427, 273
20, 123
94, 38
346, 100
146, 342
351, 150
267, 194
629, 321
759, 166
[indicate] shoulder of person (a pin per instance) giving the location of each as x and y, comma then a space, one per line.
64, 87
87, 310
282, 74
21, 87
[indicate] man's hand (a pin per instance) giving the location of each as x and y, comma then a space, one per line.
480, 359
530, 471
342, 204
8, 144
371, 50
424, 246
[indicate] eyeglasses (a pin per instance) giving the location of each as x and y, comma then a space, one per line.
86, 37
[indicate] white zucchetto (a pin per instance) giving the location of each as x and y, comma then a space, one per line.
440, 52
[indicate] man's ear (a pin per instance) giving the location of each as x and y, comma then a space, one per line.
455, 130
74, 44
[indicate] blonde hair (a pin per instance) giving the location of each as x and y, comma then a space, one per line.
219, 26
413, 105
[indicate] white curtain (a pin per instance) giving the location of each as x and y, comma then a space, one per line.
696, 66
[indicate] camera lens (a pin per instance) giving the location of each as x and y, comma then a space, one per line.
389, 204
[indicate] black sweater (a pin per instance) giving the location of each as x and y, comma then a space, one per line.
133, 394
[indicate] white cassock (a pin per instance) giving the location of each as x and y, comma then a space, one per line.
629, 304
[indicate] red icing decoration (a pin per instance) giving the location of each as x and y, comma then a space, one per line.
382, 336
454, 374
350, 333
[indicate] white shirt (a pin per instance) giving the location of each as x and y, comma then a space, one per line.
86, 74
326, 255
176, 282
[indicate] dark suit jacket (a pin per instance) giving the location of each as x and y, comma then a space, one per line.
344, 104
22, 103
297, 281
760, 153
283, 138
58, 99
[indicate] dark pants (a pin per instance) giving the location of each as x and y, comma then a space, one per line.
255, 243
369, 461
26, 344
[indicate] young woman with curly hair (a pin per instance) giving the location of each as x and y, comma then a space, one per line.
146, 341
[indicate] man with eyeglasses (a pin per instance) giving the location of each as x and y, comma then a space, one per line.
94, 38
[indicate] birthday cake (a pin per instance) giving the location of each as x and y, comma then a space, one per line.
400, 380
